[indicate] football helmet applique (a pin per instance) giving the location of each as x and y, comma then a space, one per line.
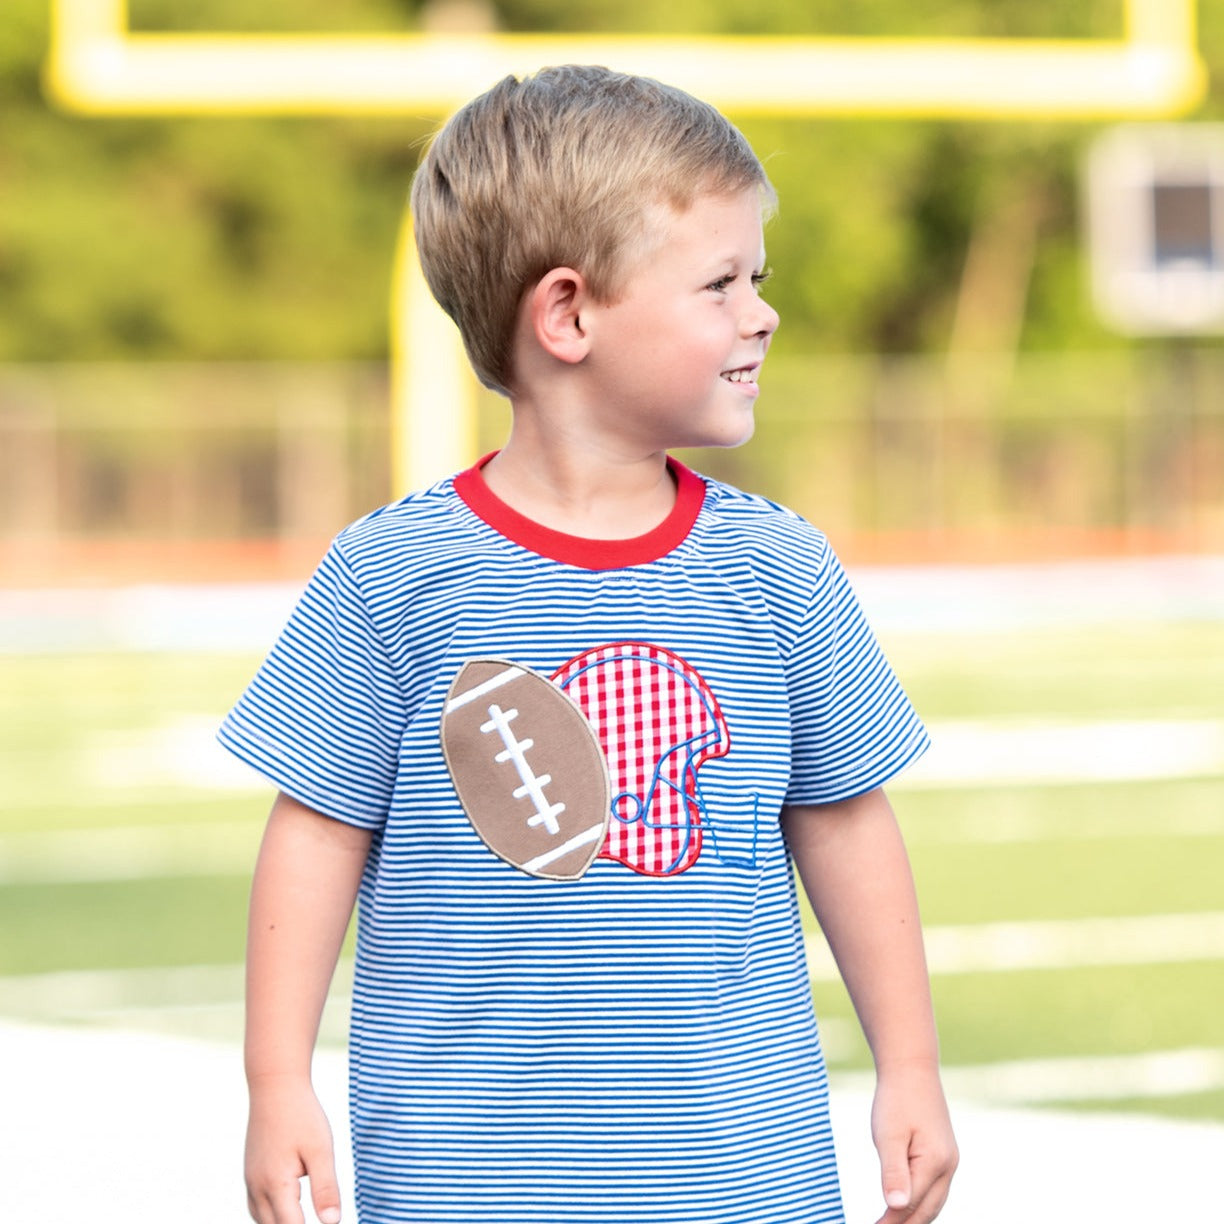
658, 722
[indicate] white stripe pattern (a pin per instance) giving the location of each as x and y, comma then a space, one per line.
621, 1048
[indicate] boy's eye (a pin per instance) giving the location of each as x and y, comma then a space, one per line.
723, 283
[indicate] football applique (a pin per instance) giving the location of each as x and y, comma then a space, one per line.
528, 768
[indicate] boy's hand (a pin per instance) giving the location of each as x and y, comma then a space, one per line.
288, 1138
913, 1135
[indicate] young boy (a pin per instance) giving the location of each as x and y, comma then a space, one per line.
563, 721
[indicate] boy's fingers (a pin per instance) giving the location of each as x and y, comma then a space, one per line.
895, 1172
279, 1204
326, 1199
324, 1187
930, 1178
934, 1202
937, 1182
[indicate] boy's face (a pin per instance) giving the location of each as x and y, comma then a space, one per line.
678, 352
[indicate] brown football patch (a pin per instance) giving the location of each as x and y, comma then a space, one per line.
527, 767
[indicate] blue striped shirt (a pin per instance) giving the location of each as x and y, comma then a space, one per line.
637, 1045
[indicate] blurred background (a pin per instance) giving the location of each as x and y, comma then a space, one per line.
998, 385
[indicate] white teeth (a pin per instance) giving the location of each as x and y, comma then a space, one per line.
740, 376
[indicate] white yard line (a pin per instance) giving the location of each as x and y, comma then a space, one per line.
1043, 1081
231, 617
139, 852
1074, 943
1005, 598
83, 994
182, 751
987, 825
982, 753
190, 1000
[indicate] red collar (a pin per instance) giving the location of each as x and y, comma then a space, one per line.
579, 550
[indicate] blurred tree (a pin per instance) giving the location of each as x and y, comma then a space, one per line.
195, 237
272, 238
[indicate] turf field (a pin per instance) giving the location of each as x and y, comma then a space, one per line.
1067, 834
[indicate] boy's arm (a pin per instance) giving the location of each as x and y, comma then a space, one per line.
306, 881
856, 873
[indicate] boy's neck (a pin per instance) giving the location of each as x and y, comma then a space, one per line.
585, 490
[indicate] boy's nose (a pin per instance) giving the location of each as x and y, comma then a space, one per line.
761, 319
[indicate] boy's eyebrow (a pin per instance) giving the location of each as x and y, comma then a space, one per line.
733, 259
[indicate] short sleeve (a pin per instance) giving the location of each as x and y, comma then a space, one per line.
325, 713
852, 725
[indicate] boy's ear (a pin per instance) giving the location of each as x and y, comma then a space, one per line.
555, 309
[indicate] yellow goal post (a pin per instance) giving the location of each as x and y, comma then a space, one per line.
97, 65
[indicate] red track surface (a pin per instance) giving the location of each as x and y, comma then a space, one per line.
106, 561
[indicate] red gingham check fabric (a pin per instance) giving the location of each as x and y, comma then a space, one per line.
657, 721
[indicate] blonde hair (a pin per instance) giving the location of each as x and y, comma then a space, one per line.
560, 169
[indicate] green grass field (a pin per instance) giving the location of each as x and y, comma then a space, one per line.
123, 875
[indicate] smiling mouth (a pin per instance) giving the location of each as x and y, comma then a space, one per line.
741, 376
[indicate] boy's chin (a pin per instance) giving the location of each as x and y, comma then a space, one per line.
724, 432
731, 438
